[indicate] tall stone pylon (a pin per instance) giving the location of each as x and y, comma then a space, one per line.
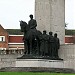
50, 16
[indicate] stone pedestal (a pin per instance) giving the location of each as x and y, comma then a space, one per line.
50, 16
39, 63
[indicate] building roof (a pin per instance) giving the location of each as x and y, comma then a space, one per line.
14, 31
70, 32
18, 32
2, 30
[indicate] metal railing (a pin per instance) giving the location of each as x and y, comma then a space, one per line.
14, 51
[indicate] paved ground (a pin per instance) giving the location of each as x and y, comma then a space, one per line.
36, 69
10, 56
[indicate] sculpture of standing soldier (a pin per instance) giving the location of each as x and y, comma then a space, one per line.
57, 45
44, 44
51, 50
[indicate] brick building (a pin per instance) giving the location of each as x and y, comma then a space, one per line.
4, 38
16, 42
12, 39
69, 39
9, 41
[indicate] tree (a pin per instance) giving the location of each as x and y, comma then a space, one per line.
66, 25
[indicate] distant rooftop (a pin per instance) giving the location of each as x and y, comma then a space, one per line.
14, 31
69, 32
18, 32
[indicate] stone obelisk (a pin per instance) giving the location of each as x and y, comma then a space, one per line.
50, 16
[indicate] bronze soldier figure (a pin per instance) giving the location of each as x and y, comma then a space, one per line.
44, 44
51, 45
57, 45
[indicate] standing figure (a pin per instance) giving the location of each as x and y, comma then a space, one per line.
57, 45
44, 44
51, 50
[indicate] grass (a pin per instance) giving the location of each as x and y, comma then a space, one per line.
32, 73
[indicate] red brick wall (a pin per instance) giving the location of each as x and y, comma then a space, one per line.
15, 39
18, 39
3, 32
5, 43
69, 39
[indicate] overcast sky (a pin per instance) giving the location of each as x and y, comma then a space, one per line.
12, 11
70, 13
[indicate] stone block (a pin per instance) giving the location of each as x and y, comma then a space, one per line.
39, 63
48, 18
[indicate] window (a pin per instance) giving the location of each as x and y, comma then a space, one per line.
2, 38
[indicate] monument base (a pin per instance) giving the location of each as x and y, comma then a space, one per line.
39, 57
39, 63
37, 69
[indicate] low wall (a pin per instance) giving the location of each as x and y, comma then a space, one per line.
8, 60
66, 52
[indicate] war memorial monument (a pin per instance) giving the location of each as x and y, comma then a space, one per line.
44, 38
41, 47
49, 20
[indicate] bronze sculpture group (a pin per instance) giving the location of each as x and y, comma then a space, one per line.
37, 43
49, 45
